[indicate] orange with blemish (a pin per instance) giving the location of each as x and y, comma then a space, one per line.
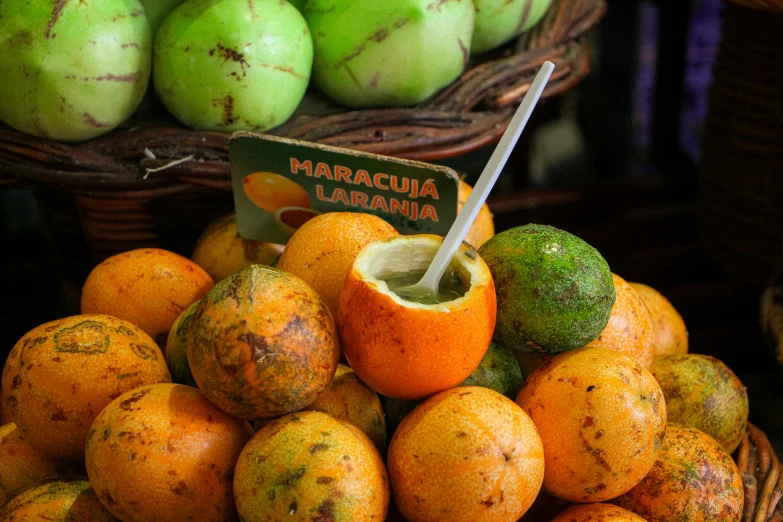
221, 251
21, 464
601, 416
405, 349
630, 327
466, 455
262, 344
597, 513
669, 333
310, 466
349, 399
164, 452
57, 500
149, 287
692, 479
322, 250
60, 375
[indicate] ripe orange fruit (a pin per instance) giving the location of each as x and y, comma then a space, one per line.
262, 344
601, 417
221, 251
322, 250
149, 287
349, 399
410, 350
59, 500
597, 513
60, 375
483, 226
21, 464
467, 454
163, 452
692, 479
630, 326
702, 392
669, 333
310, 466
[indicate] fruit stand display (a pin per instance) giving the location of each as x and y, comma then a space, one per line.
207, 376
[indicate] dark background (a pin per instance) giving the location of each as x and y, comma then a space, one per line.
615, 161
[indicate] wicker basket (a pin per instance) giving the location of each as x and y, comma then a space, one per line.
742, 171
100, 197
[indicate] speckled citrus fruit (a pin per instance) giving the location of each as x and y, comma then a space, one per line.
57, 501
262, 344
630, 327
163, 452
221, 251
597, 513
467, 454
21, 464
149, 287
176, 350
349, 399
554, 291
310, 466
483, 227
702, 392
406, 349
669, 333
693, 479
60, 375
601, 416
322, 250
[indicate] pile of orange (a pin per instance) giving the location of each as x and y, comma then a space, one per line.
282, 374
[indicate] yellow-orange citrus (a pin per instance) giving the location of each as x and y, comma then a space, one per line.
669, 333
56, 500
468, 454
601, 416
149, 287
164, 452
322, 250
410, 350
310, 466
349, 399
221, 251
630, 326
21, 464
262, 344
483, 226
60, 375
692, 479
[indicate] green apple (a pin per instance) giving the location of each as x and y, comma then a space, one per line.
230, 65
374, 53
72, 71
499, 21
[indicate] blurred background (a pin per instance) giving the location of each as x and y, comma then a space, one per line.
619, 161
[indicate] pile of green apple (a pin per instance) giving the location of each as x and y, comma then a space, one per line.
74, 70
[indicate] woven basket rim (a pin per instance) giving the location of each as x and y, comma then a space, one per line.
470, 113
